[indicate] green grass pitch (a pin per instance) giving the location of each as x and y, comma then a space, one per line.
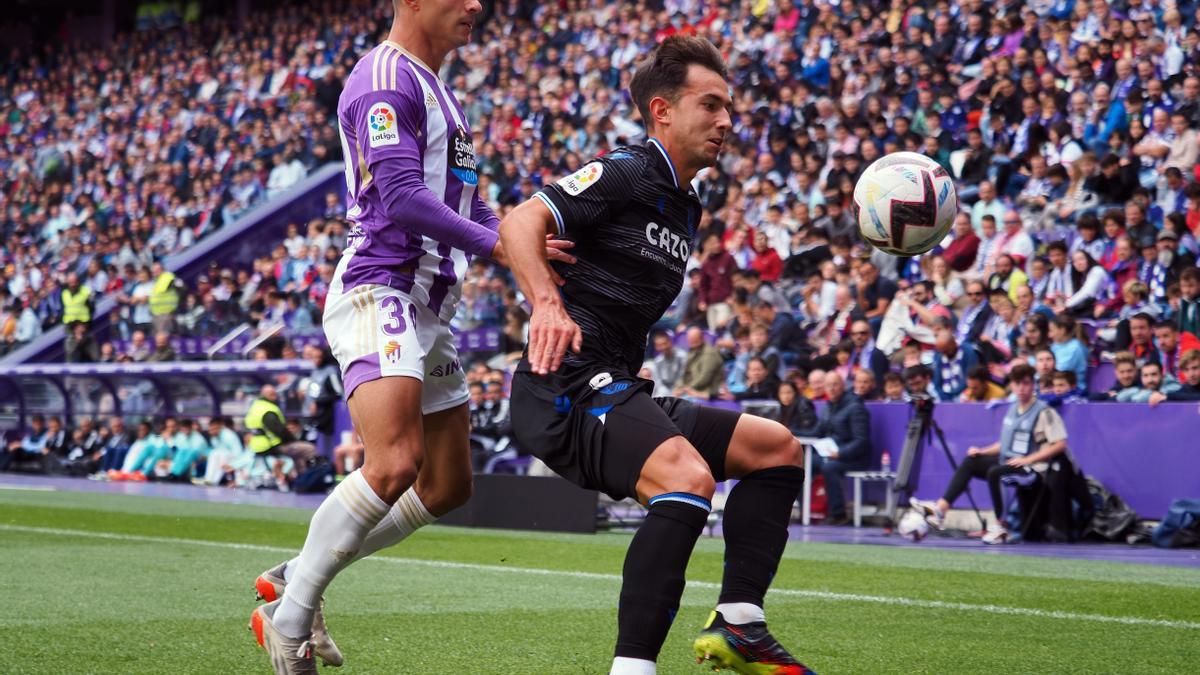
114, 584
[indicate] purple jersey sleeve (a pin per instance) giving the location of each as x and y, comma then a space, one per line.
391, 122
483, 214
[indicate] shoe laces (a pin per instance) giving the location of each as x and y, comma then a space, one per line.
305, 650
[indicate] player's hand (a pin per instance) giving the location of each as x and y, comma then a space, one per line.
551, 334
973, 451
1156, 398
556, 251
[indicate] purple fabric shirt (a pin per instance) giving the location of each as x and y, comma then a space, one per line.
410, 175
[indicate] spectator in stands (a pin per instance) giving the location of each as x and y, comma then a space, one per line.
980, 387
163, 351
988, 204
865, 355
1141, 339
668, 364
893, 387
1015, 242
796, 412
1125, 370
1189, 366
864, 385
874, 293
1033, 439
973, 318
702, 372
1172, 345
783, 333
951, 363
1188, 315
918, 383
815, 389
30, 449
761, 383
760, 347
1007, 276
1154, 381
80, 347
1089, 281
912, 318
138, 350
716, 281
1059, 283
999, 338
1070, 352
1045, 365
847, 423
1064, 389
964, 247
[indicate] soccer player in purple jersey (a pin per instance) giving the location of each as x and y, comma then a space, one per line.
416, 218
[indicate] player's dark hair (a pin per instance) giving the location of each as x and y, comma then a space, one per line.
1066, 376
665, 71
979, 373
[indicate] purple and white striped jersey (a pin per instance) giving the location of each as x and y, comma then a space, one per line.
410, 177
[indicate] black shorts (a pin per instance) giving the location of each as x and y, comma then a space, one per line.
596, 426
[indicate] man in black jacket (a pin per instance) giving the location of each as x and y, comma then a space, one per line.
846, 421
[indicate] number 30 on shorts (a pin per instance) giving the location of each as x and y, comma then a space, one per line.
392, 310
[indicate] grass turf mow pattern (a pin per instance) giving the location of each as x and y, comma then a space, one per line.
117, 584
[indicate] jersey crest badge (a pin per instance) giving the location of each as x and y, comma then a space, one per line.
381, 124
581, 179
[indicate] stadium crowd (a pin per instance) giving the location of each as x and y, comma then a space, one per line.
1071, 129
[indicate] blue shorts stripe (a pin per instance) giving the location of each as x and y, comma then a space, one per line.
684, 497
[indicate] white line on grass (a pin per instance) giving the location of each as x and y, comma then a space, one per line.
533, 571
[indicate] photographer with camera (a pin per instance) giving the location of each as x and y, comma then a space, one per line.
1033, 444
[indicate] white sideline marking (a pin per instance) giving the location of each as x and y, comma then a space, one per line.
533, 571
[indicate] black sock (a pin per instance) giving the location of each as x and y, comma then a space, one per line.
653, 575
756, 520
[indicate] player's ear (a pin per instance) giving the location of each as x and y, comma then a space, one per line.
660, 112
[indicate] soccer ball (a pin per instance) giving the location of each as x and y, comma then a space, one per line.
913, 526
905, 203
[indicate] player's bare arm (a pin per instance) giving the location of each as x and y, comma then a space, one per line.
523, 234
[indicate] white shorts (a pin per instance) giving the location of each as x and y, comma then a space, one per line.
375, 331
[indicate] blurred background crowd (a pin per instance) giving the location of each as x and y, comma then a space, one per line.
1070, 127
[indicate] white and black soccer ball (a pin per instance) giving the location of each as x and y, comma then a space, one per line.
905, 203
913, 526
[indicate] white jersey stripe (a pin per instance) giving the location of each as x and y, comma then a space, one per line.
436, 140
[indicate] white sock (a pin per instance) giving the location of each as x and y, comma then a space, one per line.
623, 665
335, 536
738, 613
406, 517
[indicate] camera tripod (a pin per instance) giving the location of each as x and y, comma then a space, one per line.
919, 434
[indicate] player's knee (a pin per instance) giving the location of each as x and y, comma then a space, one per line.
785, 448
676, 467
391, 478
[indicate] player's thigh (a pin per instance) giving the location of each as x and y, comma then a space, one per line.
759, 443
387, 415
710, 431
644, 453
445, 480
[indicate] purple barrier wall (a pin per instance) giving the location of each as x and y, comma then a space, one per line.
1147, 456
475, 340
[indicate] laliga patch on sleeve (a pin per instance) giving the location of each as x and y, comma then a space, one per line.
581, 179
381, 125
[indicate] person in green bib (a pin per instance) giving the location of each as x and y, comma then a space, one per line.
269, 434
164, 298
76, 301
1032, 445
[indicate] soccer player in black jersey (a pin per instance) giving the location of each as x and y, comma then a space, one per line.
576, 399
